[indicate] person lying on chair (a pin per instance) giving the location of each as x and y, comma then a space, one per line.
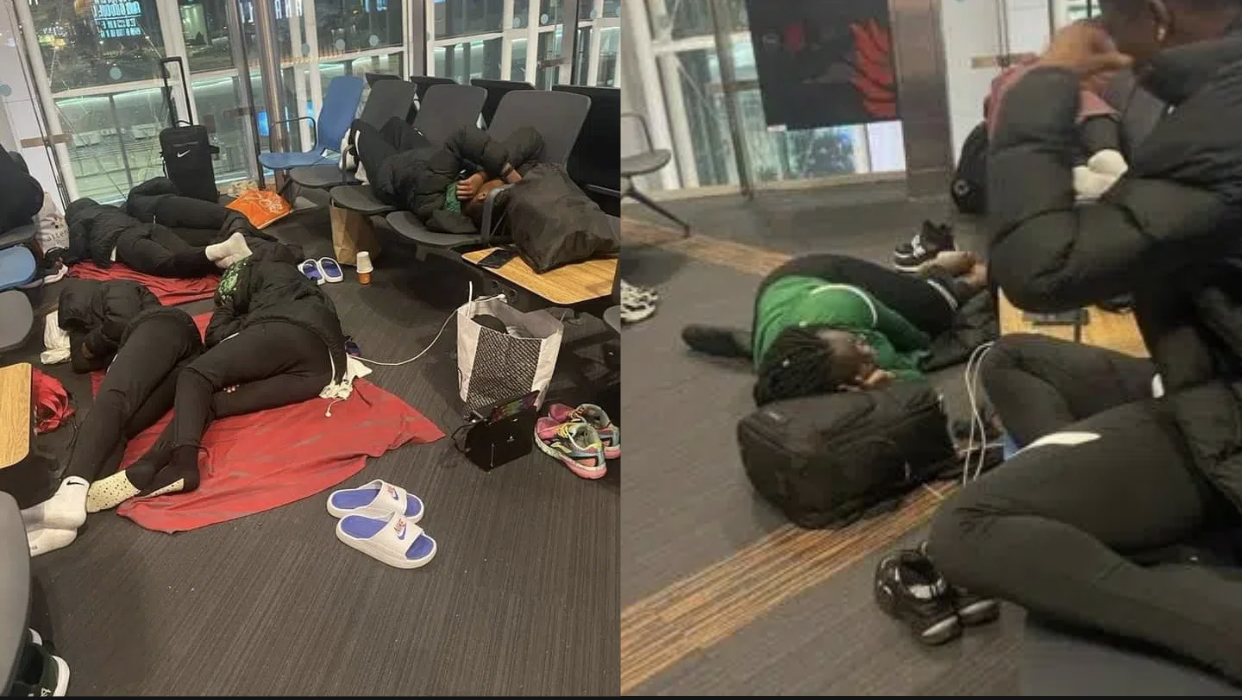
446, 187
826, 323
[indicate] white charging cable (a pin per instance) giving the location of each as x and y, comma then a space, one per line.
977, 422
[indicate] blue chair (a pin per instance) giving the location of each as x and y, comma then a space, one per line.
340, 104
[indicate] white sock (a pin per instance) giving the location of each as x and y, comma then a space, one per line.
1090, 185
235, 249
1108, 162
44, 540
65, 510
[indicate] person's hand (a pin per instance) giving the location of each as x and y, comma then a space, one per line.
878, 379
1085, 49
86, 352
466, 189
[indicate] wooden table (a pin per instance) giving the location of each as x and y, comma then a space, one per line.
566, 286
1106, 329
16, 415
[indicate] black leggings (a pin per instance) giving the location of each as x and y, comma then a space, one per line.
164, 252
1061, 527
929, 303
1038, 385
272, 365
378, 145
136, 392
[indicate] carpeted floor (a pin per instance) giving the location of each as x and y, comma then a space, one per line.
522, 598
720, 595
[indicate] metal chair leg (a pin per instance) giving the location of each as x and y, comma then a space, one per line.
651, 204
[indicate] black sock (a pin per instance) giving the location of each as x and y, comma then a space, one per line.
719, 342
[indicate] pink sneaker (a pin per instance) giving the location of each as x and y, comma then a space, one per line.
576, 445
594, 416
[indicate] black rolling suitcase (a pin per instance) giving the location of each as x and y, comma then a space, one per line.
829, 460
186, 148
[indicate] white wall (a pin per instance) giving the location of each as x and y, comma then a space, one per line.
19, 118
983, 29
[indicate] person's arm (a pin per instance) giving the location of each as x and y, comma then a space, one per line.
230, 310
904, 335
81, 359
1049, 255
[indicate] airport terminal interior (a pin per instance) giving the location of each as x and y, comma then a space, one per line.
398, 526
898, 431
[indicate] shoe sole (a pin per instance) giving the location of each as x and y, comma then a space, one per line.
578, 469
980, 612
935, 634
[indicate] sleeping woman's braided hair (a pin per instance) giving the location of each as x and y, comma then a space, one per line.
799, 363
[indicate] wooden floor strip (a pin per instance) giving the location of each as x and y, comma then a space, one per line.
739, 256
659, 631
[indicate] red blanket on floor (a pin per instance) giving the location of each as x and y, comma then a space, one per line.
169, 291
268, 459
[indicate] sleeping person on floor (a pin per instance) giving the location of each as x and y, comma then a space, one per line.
445, 186
161, 233
273, 340
827, 323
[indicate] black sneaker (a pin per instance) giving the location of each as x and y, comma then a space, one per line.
971, 609
40, 674
908, 588
931, 241
717, 342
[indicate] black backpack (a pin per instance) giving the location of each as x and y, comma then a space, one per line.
970, 180
829, 460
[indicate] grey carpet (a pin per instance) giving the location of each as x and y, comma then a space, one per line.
687, 502
522, 598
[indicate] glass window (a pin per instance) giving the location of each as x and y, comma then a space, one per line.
609, 46
469, 60
521, 14
517, 66
549, 49
694, 17
550, 12
115, 140
204, 25
85, 44
774, 155
455, 18
612, 8
356, 25
582, 60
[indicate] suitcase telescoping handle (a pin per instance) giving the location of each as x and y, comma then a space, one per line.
185, 85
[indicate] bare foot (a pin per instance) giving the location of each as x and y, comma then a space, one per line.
977, 277
955, 262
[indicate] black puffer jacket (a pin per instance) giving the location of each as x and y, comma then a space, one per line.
266, 291
96, 314
423, 176
94, 230
1170, 232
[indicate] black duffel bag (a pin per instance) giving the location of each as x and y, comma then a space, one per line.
827, 461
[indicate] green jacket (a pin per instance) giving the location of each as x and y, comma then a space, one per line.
807, 301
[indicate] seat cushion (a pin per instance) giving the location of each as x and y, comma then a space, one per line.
17, 267
321, 176
1056, 661
408, 225
18, 236
284, 161
16, 319
643, 163
359, 198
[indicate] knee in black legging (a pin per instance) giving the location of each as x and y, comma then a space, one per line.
953, 540
116, 401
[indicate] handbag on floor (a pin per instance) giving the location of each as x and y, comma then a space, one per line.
503, 353
829, 460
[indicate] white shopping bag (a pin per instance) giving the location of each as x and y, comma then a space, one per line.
494, 366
